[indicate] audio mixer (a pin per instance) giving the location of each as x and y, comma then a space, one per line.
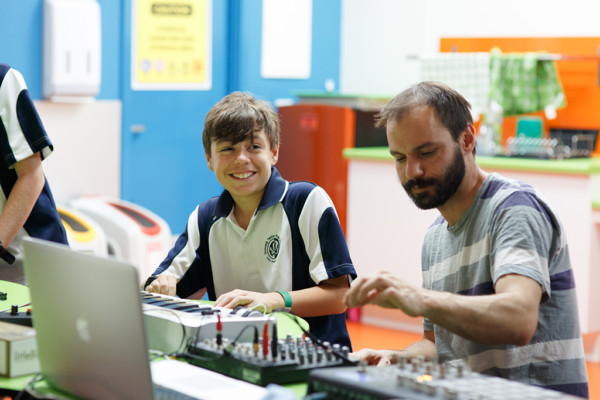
172, 322
267, 361
421, 380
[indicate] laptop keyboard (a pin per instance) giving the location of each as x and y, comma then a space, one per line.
165, 393
177, 380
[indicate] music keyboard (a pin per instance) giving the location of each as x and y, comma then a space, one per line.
172, 322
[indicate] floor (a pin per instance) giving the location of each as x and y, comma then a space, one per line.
381, 338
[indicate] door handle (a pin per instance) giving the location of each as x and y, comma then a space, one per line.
137, 129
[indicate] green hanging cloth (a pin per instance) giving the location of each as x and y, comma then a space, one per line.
523, 83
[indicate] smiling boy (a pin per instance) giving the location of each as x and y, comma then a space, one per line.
264, 241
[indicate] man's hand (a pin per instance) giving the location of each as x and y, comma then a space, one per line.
377, 357
164, 284
386, 290
509, 316
265, 302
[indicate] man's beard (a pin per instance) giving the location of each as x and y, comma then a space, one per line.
443, 188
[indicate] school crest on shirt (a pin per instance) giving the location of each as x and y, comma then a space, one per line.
272, 246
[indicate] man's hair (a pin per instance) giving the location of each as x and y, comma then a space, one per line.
236, 117
453, 110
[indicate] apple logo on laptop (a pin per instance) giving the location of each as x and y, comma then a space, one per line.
83, 329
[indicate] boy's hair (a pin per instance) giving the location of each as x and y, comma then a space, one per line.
236, 117
453, 110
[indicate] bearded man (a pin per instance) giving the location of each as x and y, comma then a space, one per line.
498, 288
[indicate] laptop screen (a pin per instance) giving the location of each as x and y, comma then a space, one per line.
87, 314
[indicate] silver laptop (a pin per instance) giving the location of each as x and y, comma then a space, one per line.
90, 331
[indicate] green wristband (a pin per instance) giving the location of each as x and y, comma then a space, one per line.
287, 298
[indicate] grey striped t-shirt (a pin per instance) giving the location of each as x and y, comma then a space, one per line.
510, 229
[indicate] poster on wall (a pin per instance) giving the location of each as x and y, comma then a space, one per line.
171, 44
286, 39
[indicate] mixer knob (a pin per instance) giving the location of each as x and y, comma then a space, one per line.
345, 350
319, 355
402, 362
415, 365
450, 394
362, 366
329, 354
429, 368
283, 350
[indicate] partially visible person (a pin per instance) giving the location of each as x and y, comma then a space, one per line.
26, 204
498, 288
264, 243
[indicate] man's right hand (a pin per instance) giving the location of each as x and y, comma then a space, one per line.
386, 290
163, 284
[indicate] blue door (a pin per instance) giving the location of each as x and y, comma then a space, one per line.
163, 163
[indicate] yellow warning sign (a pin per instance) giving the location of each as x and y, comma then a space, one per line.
171, 44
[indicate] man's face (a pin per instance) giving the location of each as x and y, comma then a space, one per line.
429, 162
442, 189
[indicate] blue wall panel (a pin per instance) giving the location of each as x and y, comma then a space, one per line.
112, 33
21, 21
164, 168
325, 59
21, 40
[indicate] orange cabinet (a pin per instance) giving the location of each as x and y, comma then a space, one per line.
312, 140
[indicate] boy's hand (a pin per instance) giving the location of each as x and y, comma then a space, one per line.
164, 284
264, 302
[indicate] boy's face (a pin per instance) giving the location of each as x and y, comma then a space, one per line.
244, 168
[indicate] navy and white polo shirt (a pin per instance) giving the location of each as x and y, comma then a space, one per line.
294, 241
22, 135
